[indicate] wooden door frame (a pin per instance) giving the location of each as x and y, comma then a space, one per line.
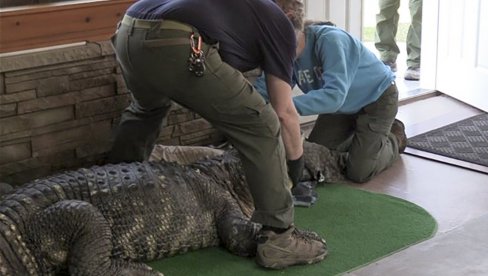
36, 26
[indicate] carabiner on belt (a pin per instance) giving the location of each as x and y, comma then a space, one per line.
196, 61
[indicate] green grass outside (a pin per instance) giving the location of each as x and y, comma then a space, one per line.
369, 33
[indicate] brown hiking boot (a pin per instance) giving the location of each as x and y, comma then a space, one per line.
398, 129
292, 247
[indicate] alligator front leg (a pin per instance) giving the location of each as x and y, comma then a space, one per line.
73, 235
238, 234
322, 164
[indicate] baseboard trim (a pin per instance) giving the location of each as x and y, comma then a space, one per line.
422, 95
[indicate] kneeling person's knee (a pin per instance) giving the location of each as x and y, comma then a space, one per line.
359, 175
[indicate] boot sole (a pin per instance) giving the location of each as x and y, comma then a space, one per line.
403, 146
278, 263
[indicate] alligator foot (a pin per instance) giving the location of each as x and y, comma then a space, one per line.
238, 235
322, 164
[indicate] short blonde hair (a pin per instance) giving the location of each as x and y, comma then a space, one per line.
295, 11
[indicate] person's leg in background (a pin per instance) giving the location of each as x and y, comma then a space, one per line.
334, 131
386, 30
374, 148
414, 38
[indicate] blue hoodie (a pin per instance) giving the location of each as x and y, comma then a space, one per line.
336, 73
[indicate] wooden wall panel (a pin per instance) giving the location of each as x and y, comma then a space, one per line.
54, 24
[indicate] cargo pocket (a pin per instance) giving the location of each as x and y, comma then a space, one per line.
378, 127
249, 111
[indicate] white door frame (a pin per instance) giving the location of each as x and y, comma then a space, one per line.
430, 38
347, 14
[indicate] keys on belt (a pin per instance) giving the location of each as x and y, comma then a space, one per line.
196, 61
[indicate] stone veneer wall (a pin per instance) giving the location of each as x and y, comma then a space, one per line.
58, 109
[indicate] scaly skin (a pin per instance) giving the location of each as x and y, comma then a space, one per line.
107, 220
103, 220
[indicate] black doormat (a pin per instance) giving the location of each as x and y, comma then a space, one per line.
466, 140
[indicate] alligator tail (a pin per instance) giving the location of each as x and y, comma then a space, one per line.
15, 257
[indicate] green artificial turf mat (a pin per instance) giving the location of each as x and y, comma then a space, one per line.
359, 226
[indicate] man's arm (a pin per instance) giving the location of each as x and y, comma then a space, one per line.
280, 94
339, 57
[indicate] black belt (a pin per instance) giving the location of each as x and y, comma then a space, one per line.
160, 24
149, 24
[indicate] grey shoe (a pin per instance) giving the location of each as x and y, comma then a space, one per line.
391, 64
292, 247
398, 129
412, 73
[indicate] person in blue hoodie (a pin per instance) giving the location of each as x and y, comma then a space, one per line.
354, 95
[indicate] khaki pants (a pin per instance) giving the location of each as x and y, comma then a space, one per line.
156, 72
364, 139
386, 30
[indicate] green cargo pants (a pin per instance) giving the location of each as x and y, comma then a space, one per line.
153, 59
364, 139
386, 30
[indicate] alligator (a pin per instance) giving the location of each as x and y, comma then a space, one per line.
111, 219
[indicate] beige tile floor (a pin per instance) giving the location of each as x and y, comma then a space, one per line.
456, 197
